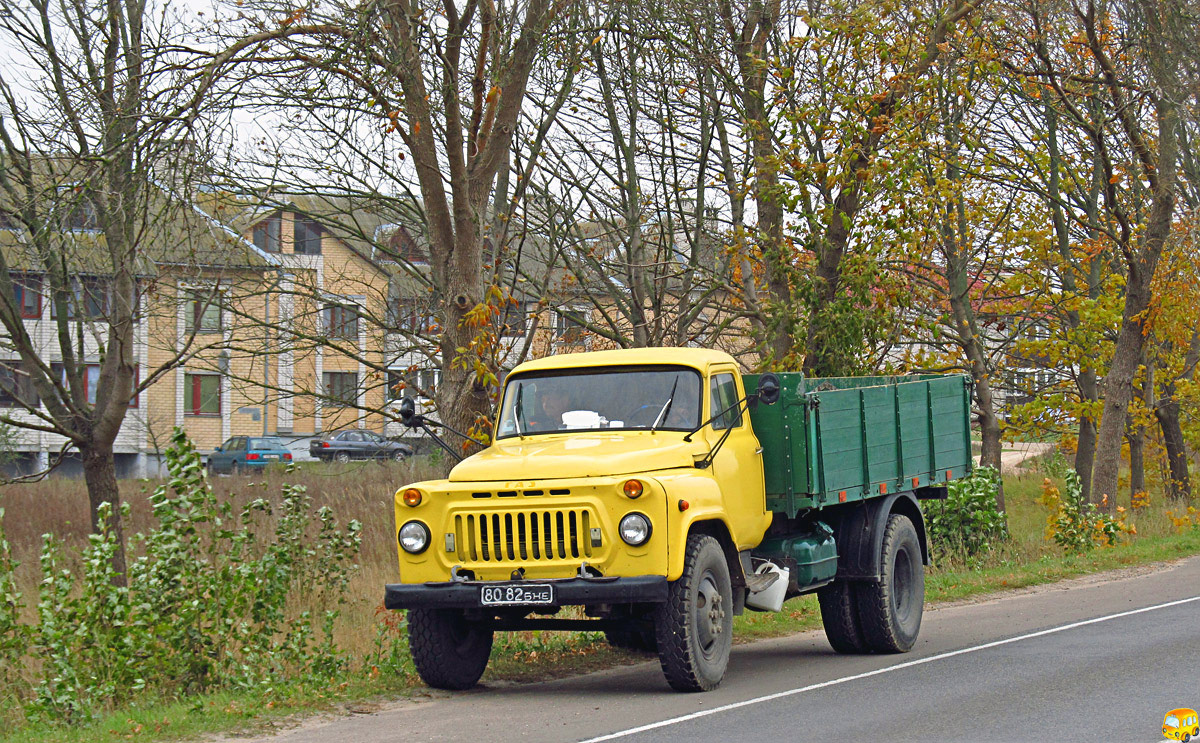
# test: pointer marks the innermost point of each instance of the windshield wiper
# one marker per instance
(519, 408)
(666, 408)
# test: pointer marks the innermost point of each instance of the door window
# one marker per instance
(722, 395)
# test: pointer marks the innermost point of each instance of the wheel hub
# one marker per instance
(710, 613)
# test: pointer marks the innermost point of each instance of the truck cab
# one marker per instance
(584, 441)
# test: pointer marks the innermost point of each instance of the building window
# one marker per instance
(568, 325)
(16, 387)
(28, 296)
(203, 313)
(82, 216)
(341, 321)
(202, 394)
(513, 321)
(341, 388)
(88, 299)
(416, 317)
(266, 234)
(422, 383)
(91, 380)
(308, 236)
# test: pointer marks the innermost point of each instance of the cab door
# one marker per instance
(738, 465)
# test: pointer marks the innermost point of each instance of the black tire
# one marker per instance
(839, 615)
(342, 457)
(694, 629)
(890, 611)
(448, 651)
(399, 455)
(632, 636)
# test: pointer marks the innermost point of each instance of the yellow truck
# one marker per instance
(665, 492)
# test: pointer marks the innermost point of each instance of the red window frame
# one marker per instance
(341, 321)
(195, 381)
(23, 286)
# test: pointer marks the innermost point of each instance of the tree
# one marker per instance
(95, 118)
(1087, 54)
(450, 81)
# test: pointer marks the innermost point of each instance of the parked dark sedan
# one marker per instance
(347, 445)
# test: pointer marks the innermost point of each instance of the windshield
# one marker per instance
(1171, 721)
(663, 398)
(266, 444)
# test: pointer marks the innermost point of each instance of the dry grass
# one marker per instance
(358, 490)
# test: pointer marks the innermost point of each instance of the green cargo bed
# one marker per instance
(838, 440)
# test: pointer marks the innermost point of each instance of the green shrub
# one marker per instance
(1075, 524)
(967, 521)
(208, 602)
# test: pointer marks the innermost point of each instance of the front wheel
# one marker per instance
(399, 455)
(890, 611)
(694, 629)
(448, 651)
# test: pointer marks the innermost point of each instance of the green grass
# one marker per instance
(1026, 559)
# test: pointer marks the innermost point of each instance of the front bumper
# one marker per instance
(637, 589)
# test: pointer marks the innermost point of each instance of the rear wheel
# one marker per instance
(694, 628)
(839, 615)
(448, 651)
(890, 610)
(342, 456)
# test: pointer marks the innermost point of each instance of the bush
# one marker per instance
(1075, 524)
(967, 521)
(206, 603)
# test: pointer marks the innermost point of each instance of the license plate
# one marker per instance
(510, 595)
(270, 456)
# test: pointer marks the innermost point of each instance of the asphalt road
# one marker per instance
(1091, 659)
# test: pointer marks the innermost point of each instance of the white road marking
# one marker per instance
(880, 671)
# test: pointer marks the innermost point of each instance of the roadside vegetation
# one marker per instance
(250, 599)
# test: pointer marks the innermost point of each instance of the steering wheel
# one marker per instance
(642, 416)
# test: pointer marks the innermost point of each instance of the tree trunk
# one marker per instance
(1085, 453)
(1137, 460)
(100, 474)
(1118, 391)
(1180, 485)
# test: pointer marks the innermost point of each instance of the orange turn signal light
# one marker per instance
(412, 497)
(633, 488)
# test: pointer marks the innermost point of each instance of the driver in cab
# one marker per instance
(551, 405)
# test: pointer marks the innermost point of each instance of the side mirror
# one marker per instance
(408, 409)
(217, 450)
(768, 388)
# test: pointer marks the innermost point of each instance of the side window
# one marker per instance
(723, 394)
(228, 445)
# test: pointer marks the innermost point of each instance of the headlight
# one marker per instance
(414, 537)
(634, 529)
